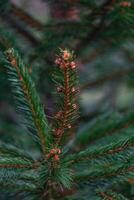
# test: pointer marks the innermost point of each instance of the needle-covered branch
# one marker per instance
(101, 152)
(16, 163)
(27, 98)
(111, 173)
(8, 150)
(66, 81)
(104, 125)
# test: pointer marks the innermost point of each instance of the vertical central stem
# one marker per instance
(66, 102)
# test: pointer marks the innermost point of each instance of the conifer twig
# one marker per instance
(32, 100)
(68, 89)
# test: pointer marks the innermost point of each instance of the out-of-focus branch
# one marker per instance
(28, 19)
(98, 29)
(110, 77)
(19, 28)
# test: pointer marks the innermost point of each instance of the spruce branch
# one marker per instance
(16, 163)
(20, 187)
(6, 149)
(65, 78)
(110, 149)
(106, 172)
(104, 125)
(29, 102)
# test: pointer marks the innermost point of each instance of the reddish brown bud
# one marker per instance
(21, 78)
(13, 61)
(59, 151)
(63, 65)
(30, 70)
(58, 61)
(56, 157)
(59, 89)
(74, 106)
(66, 55)
(58, 115)
(73, 89)
(73, 65)
(58, 132)
(69, 126)
(52, 151)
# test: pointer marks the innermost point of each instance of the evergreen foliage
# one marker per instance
(58, 172)
(47, 158)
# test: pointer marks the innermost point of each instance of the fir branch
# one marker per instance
(27, 96)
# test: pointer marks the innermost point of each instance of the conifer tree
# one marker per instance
(46, 154)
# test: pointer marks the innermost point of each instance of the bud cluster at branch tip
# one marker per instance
(65, 60)
(54, 153)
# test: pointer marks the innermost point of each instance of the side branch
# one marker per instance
(112, 149)
(20, 166)
(34, 108)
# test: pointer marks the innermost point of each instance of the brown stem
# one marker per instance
(66, 102)
(103, 194)
(19, 166)
(105, 153)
